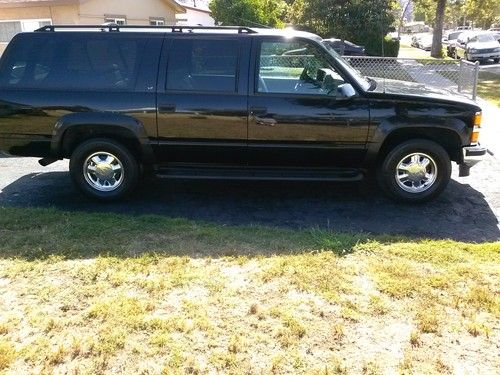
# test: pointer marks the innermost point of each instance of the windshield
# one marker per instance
(483, 38)
(363, 81)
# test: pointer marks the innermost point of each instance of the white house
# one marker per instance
(197, 13)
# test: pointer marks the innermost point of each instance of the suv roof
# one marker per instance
(288, 32)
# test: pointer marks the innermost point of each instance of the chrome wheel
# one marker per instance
(416, 173)
(103, 171)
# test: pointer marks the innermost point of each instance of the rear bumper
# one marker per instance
(472, 156)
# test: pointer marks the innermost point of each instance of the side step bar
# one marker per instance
(256, 173)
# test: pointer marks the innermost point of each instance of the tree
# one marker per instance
(483, 13)
(249, 12)
(402, 7)
(365, 22)
(437, 37)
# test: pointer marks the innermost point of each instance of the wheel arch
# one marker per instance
(74, 129)
(446, 138)
(451, 136)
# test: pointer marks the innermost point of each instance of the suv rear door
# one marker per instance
(202, 102)
(295, 117)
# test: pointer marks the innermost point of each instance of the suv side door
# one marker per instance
(202, 100)
(296, 118)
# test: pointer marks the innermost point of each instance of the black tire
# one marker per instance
(128, 176)
(496, 61)
(439, 162)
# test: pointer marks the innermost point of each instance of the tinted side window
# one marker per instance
(72, 62)
(295, 67)
(202, 65)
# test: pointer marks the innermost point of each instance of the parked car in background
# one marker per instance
(449, 40)
(344, 47)
(424, 41)
(415, 39)
(477, 46)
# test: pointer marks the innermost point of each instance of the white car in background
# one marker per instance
(477, 46)
(422, 41)
(425, 42)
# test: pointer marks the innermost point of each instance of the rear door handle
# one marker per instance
(258, 112)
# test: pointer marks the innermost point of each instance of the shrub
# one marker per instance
(373, 45)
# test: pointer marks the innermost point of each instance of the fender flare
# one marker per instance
(100, 119)
(388, 128)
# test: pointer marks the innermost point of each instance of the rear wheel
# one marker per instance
(496, 61)
(415, 171)
(104, 169)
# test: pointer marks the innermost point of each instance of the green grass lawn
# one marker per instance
(412, 52)
(488, 87)
(92, 293)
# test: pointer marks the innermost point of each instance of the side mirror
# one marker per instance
(345, 91)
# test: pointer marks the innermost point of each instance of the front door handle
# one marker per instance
(265, 121)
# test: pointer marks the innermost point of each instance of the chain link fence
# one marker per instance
(459, 76)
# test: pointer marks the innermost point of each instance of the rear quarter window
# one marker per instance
(77, 61)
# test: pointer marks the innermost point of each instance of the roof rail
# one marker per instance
(174, 29)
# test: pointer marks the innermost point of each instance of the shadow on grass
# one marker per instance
(45, 215)
(39, 233)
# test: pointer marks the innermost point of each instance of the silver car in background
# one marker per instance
(477, 46)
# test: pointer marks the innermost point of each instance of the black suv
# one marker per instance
(223, 102)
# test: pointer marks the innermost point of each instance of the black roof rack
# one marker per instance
(174, 29)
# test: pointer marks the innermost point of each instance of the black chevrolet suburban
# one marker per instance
(223, 103)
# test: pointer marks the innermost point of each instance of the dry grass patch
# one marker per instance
(157, 295)
(7, 354)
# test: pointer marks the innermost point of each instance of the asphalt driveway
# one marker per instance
(468, 210)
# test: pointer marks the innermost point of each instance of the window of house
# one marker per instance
(295, 67)
(203, 65)
(118, 20)
(10, 28)
(157, 21)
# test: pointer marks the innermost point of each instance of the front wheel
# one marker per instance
(415, 171)
(104, 169)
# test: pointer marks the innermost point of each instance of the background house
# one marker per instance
(28, 15)
(197, 13)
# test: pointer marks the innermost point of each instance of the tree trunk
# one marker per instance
(401, 19)
(437, 37)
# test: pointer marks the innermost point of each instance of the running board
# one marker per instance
(258, 173)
